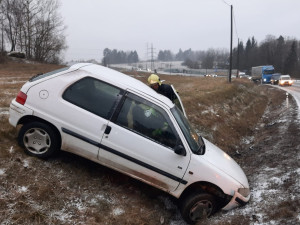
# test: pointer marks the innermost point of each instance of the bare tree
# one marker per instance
(49, 39)
(35, 27)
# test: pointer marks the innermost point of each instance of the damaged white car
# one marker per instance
(120, 122)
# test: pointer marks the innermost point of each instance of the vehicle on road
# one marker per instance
(285, 80)
(275, 78)
(211, 75)
(120, 122)
(262, 74)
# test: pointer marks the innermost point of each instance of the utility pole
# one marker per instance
(152, 58)
(147, 57)
(230, 61)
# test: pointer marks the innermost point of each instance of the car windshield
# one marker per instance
(285, 78)
(194, 140)
(268, 71)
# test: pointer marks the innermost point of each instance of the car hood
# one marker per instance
(224, 162)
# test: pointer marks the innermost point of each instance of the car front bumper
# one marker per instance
(237, 200)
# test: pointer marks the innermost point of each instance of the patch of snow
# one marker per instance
(22, 189)
(210, 110)
(13, 82)
(118, 211)
(6, 77)
(11, 150)
(62, 216)
(78, 204)
(2, 172)
(247, 140)
(107, 199)
(93, 201)
(214, 128)
(4, 111)
(26, 163)
(277, 180)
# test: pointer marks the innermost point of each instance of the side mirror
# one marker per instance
(179, 150)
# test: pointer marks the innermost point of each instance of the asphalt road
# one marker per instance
(294, 90)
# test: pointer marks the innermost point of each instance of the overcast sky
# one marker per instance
(128, 25)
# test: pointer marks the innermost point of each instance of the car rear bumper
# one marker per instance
(17, 111)
(237, 200)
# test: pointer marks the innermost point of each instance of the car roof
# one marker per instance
(121, 80)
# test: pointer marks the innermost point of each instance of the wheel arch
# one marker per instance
(30, 118)
(206, 187)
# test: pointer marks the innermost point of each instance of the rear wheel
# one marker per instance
(198, 206)
(38, 139)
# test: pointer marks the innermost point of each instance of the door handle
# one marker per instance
(107, 130)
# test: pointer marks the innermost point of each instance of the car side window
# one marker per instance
(147, 119)
(93, 95)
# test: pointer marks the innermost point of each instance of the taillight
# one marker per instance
(21, 98)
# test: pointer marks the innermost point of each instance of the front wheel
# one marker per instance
(198, 206)
(38, 139)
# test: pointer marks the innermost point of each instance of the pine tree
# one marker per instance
(291, 61)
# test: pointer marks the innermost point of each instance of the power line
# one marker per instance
(226, 3)
(235, 25)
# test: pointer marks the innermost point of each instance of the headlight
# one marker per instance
(265, 79)
(244, 191)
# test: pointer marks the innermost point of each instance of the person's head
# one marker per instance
(154, 81)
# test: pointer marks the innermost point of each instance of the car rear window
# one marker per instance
(94, 96)
(43, 75)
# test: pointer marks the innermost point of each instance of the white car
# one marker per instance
(120, 122)
(285, 80)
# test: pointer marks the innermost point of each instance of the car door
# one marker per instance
(140, 141)
(86, 107)
(178, 101)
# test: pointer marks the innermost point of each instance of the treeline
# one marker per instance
(116, 57)
(32, 27)
(212, 58)
(280, 52)
(199, 58)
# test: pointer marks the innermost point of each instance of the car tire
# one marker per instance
(39, 139)
(198, 206)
